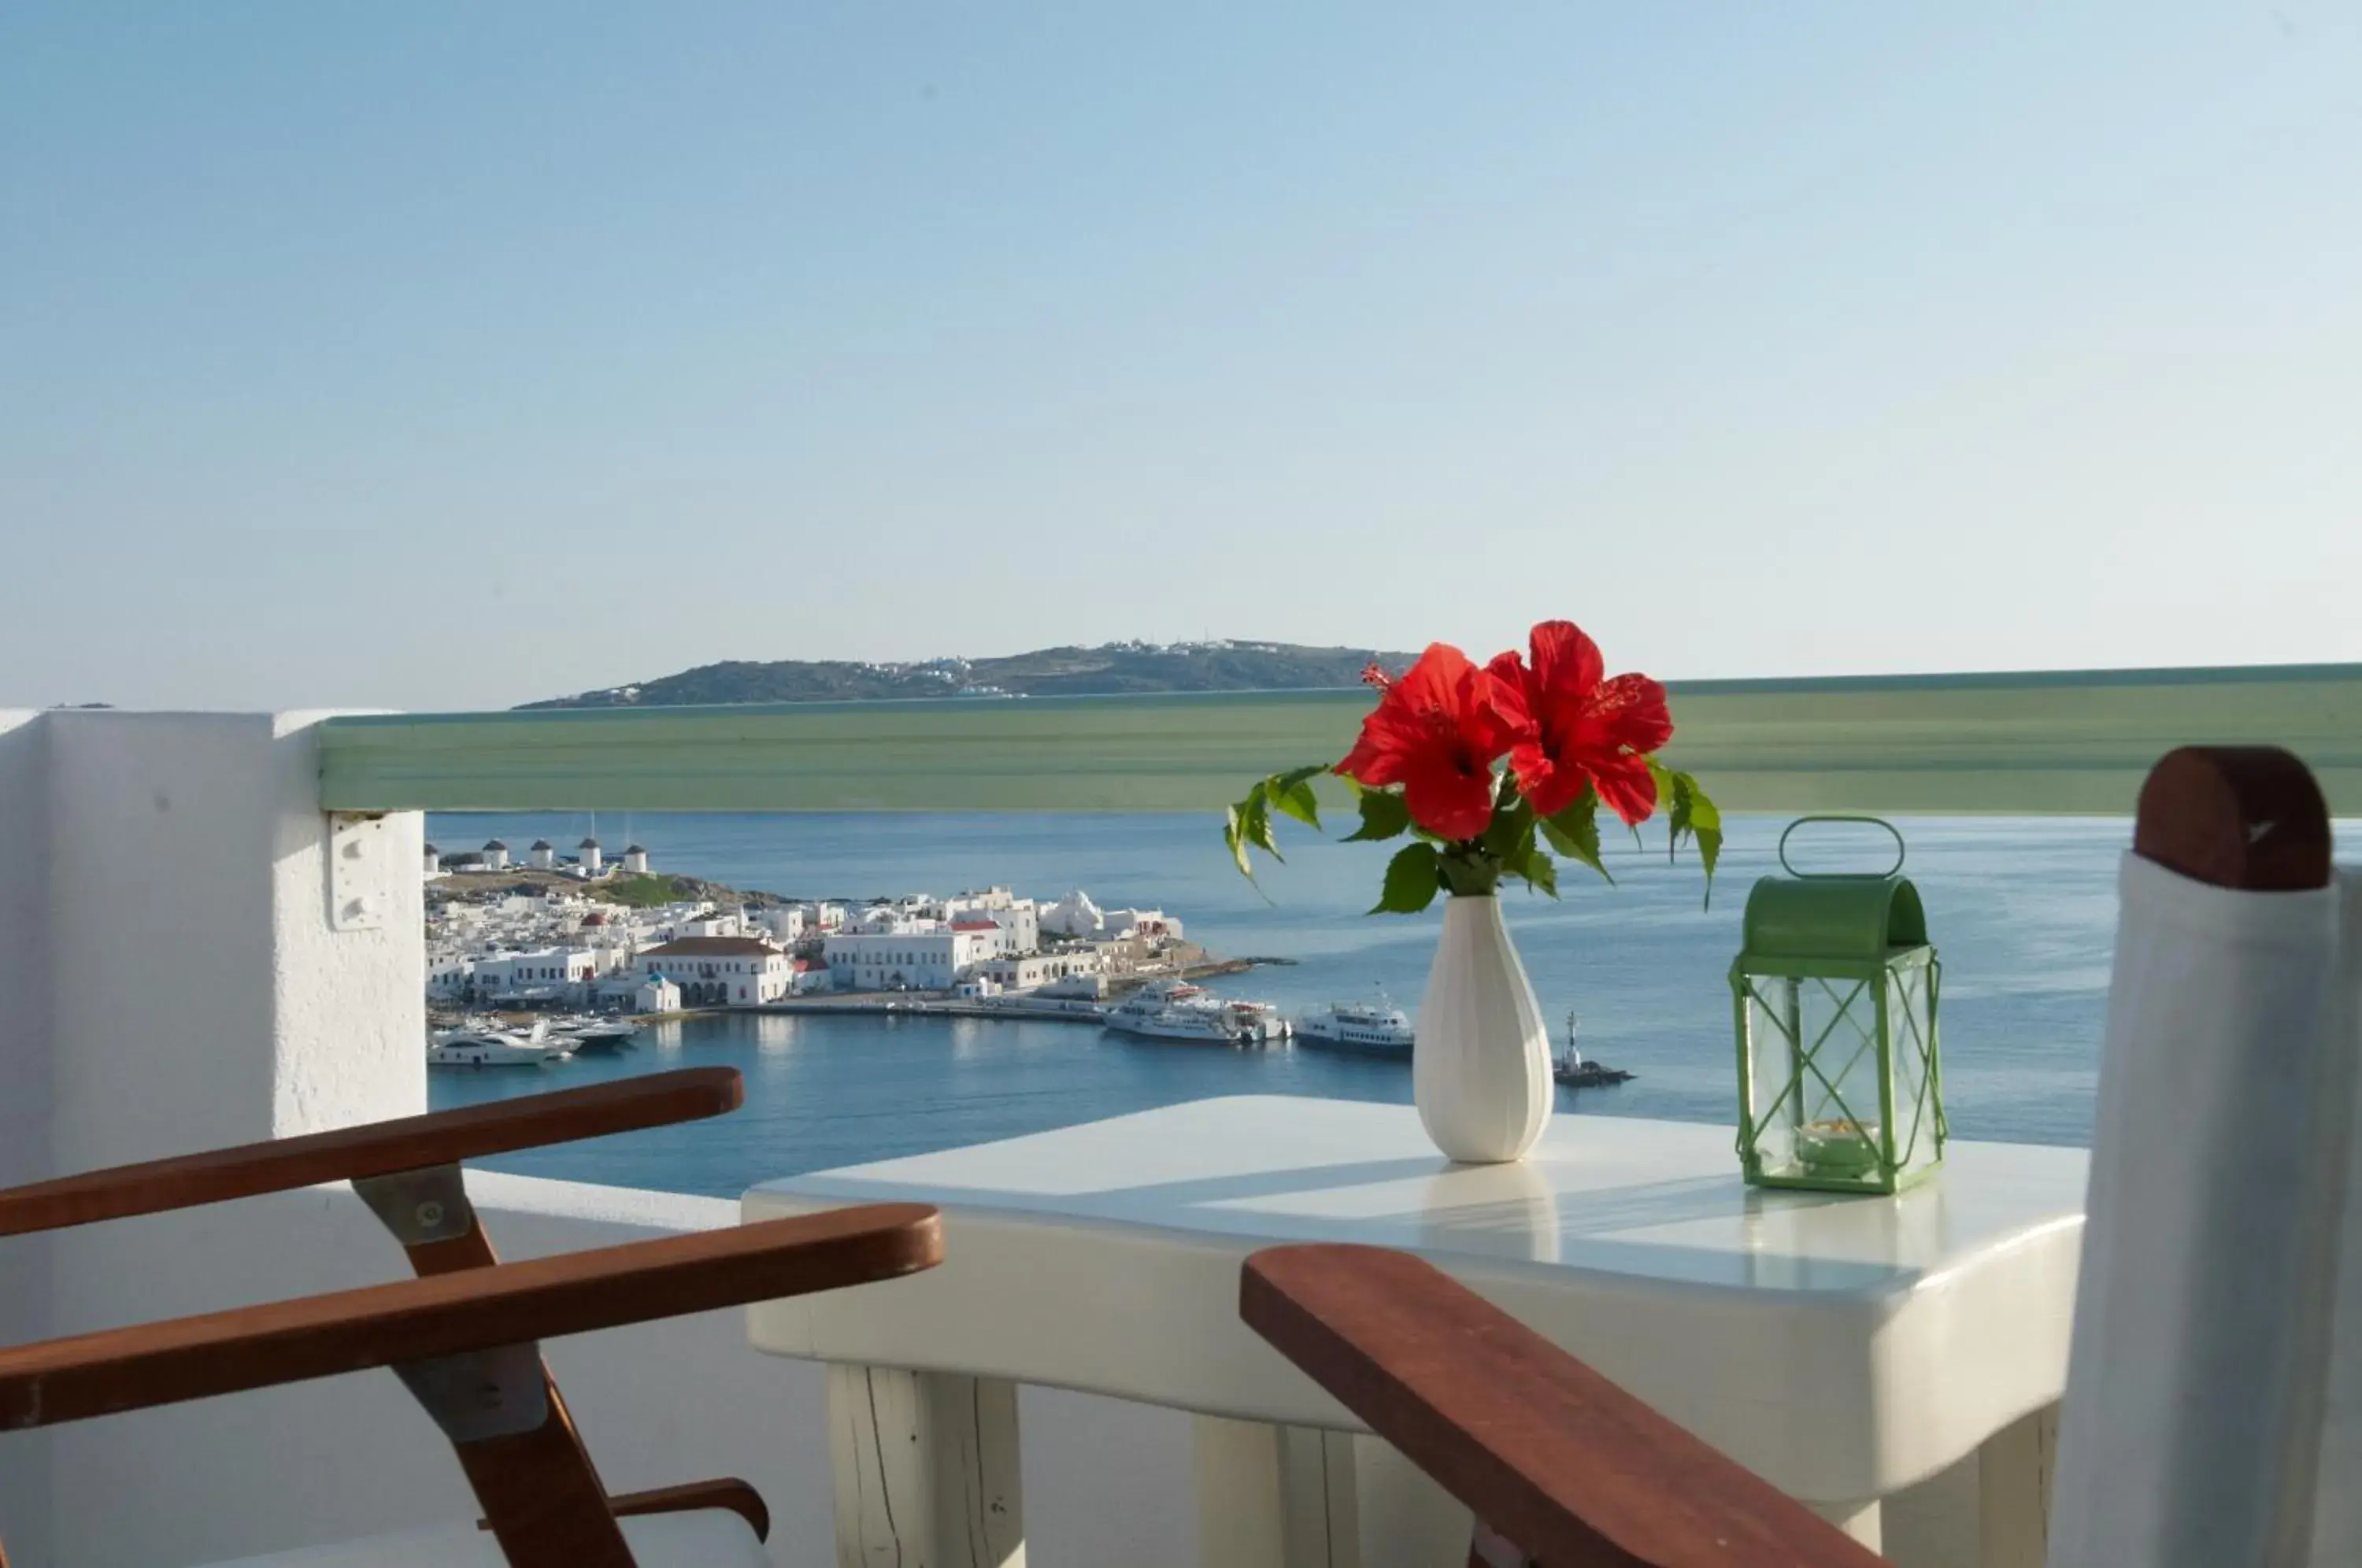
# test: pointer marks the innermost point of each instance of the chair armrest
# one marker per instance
(442, 1315)
(691, 1496)
(378, 1148)
(1558, 1459)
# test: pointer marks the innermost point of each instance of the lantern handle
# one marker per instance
(1839, 876)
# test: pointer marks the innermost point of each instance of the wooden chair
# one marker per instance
(463, 1336)
(1553, 1457)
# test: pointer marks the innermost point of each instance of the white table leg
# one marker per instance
(2014, 1492)
(1408, 1521)
(1859, 1520)
(925, 1468)
(1274, 1497)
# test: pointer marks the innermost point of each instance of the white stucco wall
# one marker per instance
(24, 1087)
(195, 840)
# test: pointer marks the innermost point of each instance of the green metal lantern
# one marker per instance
(1834, 994)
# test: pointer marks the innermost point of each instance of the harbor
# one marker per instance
(1647, 972)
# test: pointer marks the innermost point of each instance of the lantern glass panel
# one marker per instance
(1817, 1070)
(1918, 1120)
(1774, 1096)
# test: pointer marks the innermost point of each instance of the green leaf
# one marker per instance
(1533, 866)
(1413, 877)
(1470, 871)
(1574, 832)
(1254, 823)
(1509, 840)
(1384, 815)
(1689, 814)
(1512, 824)
(1705, 822)
(1231, 835)
(1295, 799)
(1675, 802)
(1292, 792)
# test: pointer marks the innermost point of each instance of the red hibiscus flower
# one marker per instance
(1584, 730)
(1437, 732)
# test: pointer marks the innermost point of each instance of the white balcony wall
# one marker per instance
(170, 981)
(25, 1093)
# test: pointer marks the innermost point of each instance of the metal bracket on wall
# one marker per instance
(361, 870)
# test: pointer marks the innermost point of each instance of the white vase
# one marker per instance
(1481, 1070)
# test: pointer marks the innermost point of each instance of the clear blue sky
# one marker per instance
(443, 356)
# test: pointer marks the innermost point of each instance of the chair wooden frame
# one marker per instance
(1554, 1457)
(1551, 1455)
(463, 1334)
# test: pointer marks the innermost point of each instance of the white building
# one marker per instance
(496, 856)
(991, 931)
(1033, 970)
(449, 976)
(542, 856)
(552, 971)
(1074, 915)
(657, 995)
(1151, 926)
(591, 859)
(635, 861)
(917, 955)
(1019, 919)
(721, 971)
(784, 922)
(434, 863)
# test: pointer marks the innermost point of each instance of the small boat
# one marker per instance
(1572, 1068)
(1365, 1028)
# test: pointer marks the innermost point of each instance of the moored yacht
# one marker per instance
(591, 1033)
(495, 1047)
(497, 1050)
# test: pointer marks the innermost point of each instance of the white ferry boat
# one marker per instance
(1367, 1029)
(1175, 1010)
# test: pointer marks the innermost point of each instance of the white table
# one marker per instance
(1843, 1347)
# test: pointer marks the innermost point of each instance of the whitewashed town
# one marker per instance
(539, 954)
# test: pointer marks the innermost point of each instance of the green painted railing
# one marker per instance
(2068, 743)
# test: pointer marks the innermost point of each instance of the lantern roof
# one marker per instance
(1850, 919)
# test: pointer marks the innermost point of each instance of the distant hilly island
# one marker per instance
(1108, 669)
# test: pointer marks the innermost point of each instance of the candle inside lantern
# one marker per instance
(1837, 1147)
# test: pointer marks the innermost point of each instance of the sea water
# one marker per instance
(2022, 911)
